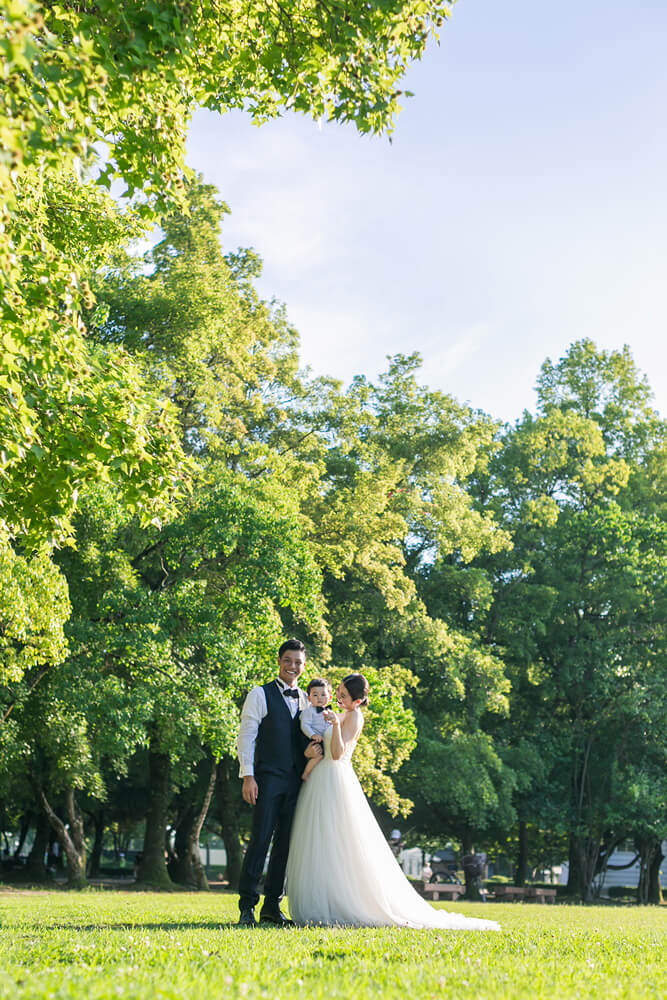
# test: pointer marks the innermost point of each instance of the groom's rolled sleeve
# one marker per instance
(253, 711)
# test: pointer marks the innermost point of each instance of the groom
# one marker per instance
(271, 757)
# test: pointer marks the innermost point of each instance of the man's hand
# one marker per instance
(316, 738)
(312, 750)
(250, 790)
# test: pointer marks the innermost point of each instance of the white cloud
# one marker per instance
(444, 357)
(518, 210)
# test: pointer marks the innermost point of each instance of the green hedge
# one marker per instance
(622, 891)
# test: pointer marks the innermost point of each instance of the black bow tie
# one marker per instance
(290, 693)
(319, 708)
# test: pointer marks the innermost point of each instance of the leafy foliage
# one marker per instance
(579, 605)
(80, 78)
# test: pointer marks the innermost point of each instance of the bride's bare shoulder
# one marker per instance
(353, 724)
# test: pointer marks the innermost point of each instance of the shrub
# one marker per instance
(622, 892)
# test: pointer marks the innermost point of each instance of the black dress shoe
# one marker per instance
(247, 919)
(270, 916)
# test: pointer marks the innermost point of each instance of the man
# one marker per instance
(271, 758)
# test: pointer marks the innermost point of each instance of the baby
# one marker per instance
(313, 723)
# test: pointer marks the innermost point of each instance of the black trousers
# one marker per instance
(273, 814)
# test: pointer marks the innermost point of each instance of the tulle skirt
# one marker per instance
(340, 868)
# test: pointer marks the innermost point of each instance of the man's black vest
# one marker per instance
(279, 744)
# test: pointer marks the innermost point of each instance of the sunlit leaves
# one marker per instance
(34, 603)
(78, 79)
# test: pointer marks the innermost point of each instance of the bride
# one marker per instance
(340, 868)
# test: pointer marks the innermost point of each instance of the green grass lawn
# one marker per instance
(182, 946)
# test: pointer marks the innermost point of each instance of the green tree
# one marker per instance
(166, 613)
(229, 363)
(182, 618)
(398, 471)
(579, 603)
(35, 607)
(77, 409)
(73, 411)
(81, 77)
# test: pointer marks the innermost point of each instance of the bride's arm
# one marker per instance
(344, 732)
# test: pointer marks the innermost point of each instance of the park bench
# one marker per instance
(537, 895)
(509, 893)
(443, 890)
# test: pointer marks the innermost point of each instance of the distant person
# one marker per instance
(54, 857)
(396, 842)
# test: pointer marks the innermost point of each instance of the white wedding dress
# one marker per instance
(341, 869)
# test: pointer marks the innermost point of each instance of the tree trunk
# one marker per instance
(650, 855)
(75, 825)
(35, 869)
(521, 873)
(153, 867)
(229, 801)
(587, 851)
(654, 890)
(180, 867)
(73, 845)
(474, 886)
(98, 843)
(6, 852)
(573, 873)
(193, 841)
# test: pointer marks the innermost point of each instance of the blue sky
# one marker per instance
(520, 206)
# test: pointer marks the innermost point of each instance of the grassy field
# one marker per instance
(101, 945)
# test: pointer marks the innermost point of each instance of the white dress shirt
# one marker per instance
(254, 710)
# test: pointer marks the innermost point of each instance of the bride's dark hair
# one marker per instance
(357, 687)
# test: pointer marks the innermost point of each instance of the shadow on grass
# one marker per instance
(176, 925)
